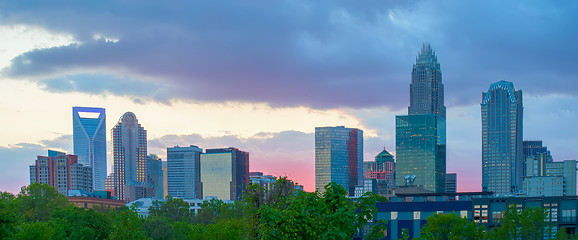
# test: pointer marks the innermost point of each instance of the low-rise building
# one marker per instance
(408, 213)
(545, 178)
(265, 181)
(96, 199)
(560, 211)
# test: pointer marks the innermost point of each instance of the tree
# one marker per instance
(175, 209)
(233, 228)
(328, 215)
(561, 234)
(182, 230)
(158, 228)
(78, 223)
(37, 201)
(126, 224)
(404, 234)
(450, 226)
(518, 224)
(214, 210)
(35, 230)
(8, 217)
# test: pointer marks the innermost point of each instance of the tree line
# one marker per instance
(40, 212)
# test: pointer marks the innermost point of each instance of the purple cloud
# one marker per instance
(322, 54)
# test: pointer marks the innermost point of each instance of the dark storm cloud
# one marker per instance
(108, 84)
(321, 54)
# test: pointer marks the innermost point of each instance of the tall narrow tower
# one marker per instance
(89, 140)
(129, 158)
(502, 140)
(421, 135)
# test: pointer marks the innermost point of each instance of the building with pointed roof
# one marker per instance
(420, 136)
(383, 168)
(426, 88)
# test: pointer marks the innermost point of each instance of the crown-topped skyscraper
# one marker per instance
(421, 135)
(426, 88)
(129, 159)
(502, 139)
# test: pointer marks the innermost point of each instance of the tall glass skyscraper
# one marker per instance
(224, 173)
(129, 159)
(502, 149)
(89, 141)
(426, 88)
(421, 135)
(184, 172)
(421, 150)
(338, 157)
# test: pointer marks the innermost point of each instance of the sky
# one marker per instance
(261, 75)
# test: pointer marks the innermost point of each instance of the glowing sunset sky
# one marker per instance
(261, 75)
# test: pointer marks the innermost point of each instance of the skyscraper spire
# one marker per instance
(426, 88)
(420, 136)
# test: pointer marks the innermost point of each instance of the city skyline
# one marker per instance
(281, 69)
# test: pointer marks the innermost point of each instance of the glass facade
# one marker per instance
(426, 88)
(89, 141)
(421, 135)
(502, 140)
(224, 173)
(184, 172)
(421, 150)
(155, 175)
(217, 177)
(129, 158)
(338, 157)
(534, 147)
(451, 182)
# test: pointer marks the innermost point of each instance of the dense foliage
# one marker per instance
(39, 212)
